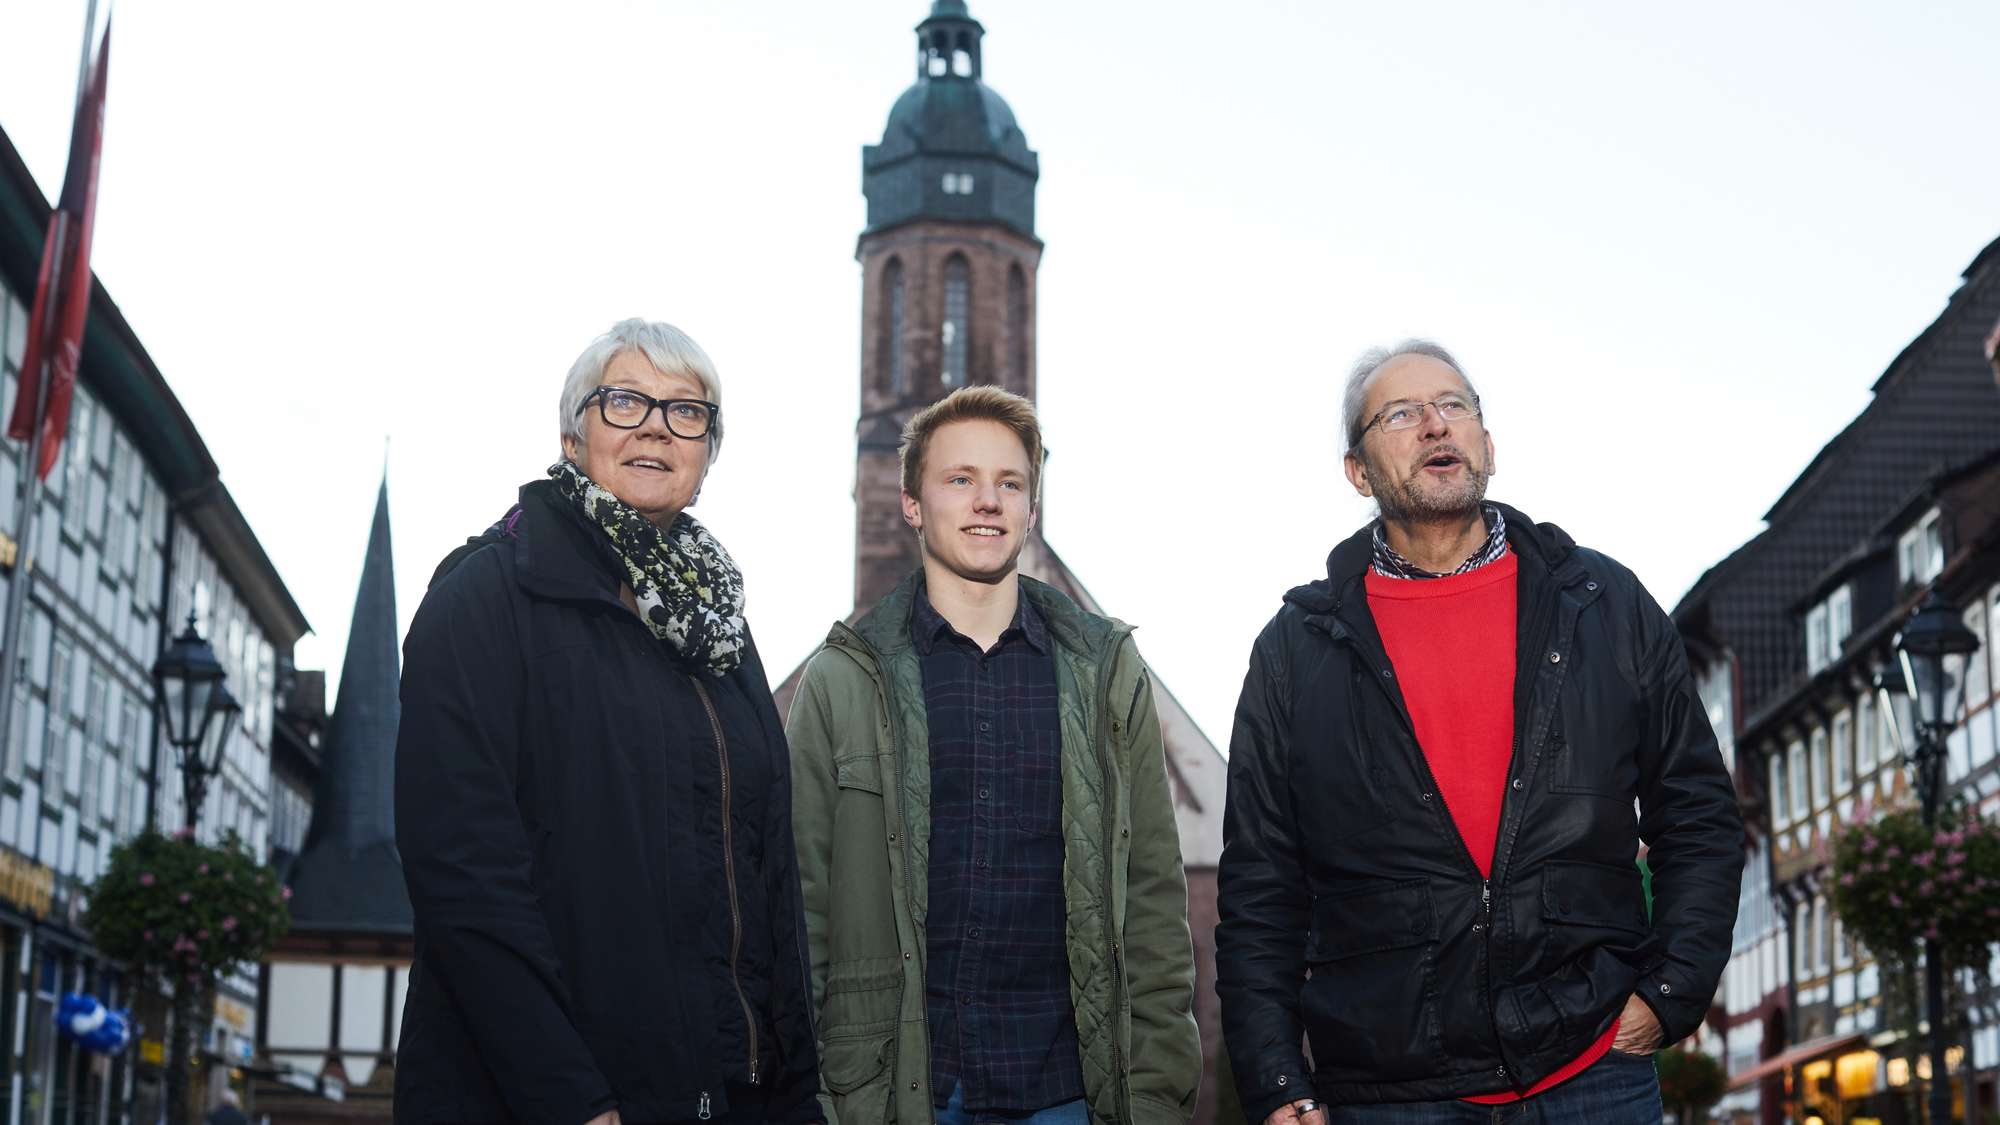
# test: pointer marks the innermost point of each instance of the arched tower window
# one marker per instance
(1017, 330)
(955, 334)
(889, 353)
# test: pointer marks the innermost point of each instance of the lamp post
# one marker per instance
(197, 710)
(1934, 634)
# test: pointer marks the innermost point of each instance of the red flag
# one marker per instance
(62, 289)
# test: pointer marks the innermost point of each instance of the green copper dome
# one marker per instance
(951, 149)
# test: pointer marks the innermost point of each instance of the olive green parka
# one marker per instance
(861, 781)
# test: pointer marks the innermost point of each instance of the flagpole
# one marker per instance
(11, 656)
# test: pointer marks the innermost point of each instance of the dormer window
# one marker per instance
(1828, 626)
(1920, 551)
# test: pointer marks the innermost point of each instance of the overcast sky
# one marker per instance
(1674, 247)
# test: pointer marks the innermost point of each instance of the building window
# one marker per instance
(1977, 685)
(1866, 732)
(1839, 620)
(1822, 955)
(1843, 752)
(1816, 649)
(1797, 754)
(1819, 763)
(1017, 329)
(889, 354)
(1781, 802)
(955, 331)
(1802, 960)
(958, 183)
(1920, 550)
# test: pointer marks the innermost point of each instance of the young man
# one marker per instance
(1432, 781)
(994, 899)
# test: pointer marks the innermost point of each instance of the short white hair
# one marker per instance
(670, 351)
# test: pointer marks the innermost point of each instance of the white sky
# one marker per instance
(1674, 247)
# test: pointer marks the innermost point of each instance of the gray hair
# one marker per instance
(671, 352)
(1355, 398)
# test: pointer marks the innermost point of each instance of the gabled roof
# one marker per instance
(117, 369)
(1934, 407)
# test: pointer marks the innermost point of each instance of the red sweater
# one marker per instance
(1451, 641)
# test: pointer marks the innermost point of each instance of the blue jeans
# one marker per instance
(1618, 1089)
(1067, 1113)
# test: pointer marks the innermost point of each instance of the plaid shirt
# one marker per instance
(1389, 563)
(997, 980)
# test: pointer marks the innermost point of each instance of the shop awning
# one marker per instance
(1804, 1052)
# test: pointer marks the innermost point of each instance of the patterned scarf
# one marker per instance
(1390, 564)
(689, 591)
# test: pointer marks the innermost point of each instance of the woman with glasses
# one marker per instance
(592, 793)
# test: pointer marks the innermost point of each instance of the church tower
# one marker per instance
(948, 263)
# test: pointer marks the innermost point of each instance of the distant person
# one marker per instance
(592, 796)
(991, 864)
(1428, 847)
(228, 1112)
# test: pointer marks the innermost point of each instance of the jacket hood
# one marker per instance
(1544, 544)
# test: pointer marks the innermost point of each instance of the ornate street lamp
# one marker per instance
(197, 710)
(1934, 634)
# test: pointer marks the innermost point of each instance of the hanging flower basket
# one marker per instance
(1898, 884)
(186, 910)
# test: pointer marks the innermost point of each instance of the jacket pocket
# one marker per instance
(1595, 928)
(1371, 1004)
(855, 1069)
(861, 996)
(1590, 771)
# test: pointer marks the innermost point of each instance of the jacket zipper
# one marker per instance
(729, 877)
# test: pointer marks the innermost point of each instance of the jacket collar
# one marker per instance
(556, 555)
(1545, 549)
(886, 628)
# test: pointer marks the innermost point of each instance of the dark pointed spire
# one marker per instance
(349, 877)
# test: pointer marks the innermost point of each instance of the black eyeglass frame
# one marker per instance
(1432, 403)
(661, 404)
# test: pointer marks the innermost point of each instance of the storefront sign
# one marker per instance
(26, 885)
(235, 1015)
(152, 1051)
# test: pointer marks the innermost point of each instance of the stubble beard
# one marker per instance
(1413, 500)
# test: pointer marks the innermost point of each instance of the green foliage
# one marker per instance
(1690, 1082)
(1897, 883)
(183, 909)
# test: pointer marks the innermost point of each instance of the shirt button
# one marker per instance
(982, 792)
(906, 956)
(1590, 585)
(985, 726)
(1517, 785)
(1282, 1080)
(965, 999)
(1388, 673)
(1426, 796)
(973, 933)
(1478, 927)
(1555, 658)
(1666, 990)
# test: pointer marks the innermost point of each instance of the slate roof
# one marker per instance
(348, 877)
(1935, 407)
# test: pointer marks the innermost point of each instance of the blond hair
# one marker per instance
(973, 404)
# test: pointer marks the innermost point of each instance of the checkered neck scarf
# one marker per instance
(1389, 564)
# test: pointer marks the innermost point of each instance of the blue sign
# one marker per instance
(98, 1028)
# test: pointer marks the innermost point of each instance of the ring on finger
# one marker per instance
(1305, 1106)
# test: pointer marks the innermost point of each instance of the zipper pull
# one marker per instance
(753, 1072)
(701, 1110)
(1486, 897)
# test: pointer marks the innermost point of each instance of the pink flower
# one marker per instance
(286, 893)
(1895, 900)
(1932, 932)
(1925, 889)
(146, 878)
(1953, 859)
(229, 923)
(1892, 852)
(184, 834)
(1847, 880)
(185, 898)
(1923, 859)
(201, 935)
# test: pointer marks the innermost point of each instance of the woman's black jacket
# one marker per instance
(598, 848)
(1340, 858)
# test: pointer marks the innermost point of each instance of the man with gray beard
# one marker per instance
(1428, 850)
